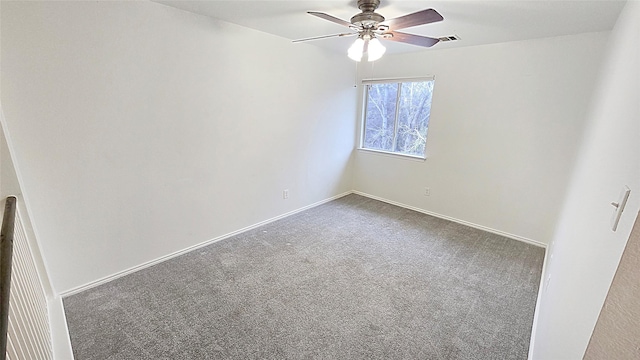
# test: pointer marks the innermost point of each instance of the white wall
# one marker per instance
(141, 130)
(10, 185)
(8, 179)
(506, 121)
(585, 252)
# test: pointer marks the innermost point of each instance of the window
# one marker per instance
(396, 116)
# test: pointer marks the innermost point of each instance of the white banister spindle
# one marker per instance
(29, 334)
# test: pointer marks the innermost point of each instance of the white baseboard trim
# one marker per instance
(480, 227)
(59, 331)
(147, 264)
(498, 232)
(536, 313)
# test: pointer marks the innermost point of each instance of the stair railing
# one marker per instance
(6, 255)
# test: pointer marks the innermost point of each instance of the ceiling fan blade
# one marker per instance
(330, 18)
(411, 39)
(325, 37)
(417, 18)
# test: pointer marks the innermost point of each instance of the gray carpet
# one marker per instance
(351, 279)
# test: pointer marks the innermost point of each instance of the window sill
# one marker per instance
(393, 155)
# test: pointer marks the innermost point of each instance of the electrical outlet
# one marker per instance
(427, 191)
(285, 193)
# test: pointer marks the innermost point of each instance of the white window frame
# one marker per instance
(363, 111)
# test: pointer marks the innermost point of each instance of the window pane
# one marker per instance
(381, 112)
(413, 117)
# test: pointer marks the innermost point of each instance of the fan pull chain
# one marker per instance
(372, 70)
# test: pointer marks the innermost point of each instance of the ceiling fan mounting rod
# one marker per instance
(368, 5)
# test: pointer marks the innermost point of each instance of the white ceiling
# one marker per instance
(475, 22)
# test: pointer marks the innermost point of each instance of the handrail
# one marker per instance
(6, 255)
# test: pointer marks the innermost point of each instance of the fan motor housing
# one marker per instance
(367, 20)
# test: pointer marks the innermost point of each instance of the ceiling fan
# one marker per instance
(370, 26)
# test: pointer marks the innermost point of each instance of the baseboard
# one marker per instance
(536, 313)
(494, 231)
(147, 264)
(59, 331)
(466, 223)
(108, 278)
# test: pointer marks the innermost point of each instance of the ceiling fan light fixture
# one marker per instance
(356, 50)
(376, 50)
(370, 27)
